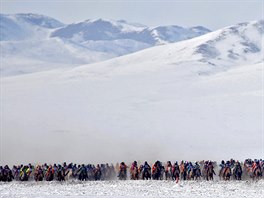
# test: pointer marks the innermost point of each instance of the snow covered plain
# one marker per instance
(136, 189)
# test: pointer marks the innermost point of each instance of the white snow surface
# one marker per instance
(179, 112)
(136, 189)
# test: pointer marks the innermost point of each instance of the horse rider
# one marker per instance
(123, 167)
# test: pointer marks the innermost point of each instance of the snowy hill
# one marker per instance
(195, 99)
(32, 42)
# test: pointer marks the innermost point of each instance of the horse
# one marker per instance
(61, 174)
(204, 172)
(209, 172)
(146, 174)
(162, 171)
(97, 174)
(15, 172)
(134, 173)
(168, 173)
(183, 172)
(122, 175)
(227, 173)
(38, 175)
(257, 174)
(157, 173)
(237, 172)
(197, 173)
(247, 169)
(23, 176)
(49, 176)
(69, 174)
(176, 173)
(6, 175)
(82, 174)
(190, 174)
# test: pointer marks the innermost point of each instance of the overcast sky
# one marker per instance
(210, 13)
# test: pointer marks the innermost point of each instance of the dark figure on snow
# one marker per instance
(82, 173)
(122, 171)
(146, 172)
(97, 173)
(237, 172)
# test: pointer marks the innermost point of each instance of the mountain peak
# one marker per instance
(24, 25)
(105, 29)
(36, 19)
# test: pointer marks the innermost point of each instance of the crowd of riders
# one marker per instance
(183, 170)
(59, 172)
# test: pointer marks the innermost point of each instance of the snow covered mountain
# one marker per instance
(26, 46)
(23, 26)
(195, 99)
(234, 45)
(32, 42)
(121, 30)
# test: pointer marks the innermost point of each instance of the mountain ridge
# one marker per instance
(38, 49)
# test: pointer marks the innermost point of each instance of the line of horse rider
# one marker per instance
(184, 170)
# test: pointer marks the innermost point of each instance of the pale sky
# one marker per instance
(213, 14)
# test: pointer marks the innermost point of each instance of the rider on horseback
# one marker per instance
(61, 173)
(146, 166)
(122, 171)
(134, 165)
(189, 167)
(168, 170)
(227, 168)
(256, 165)
(38, 175)
(24, 173)
(196, 166)
(168, 166)
(176, 167)
(123, 167)
(146, 170)
(237, 170)
(176, 172)
(157, 170)
(6, 174)
(97, 172)
(49, 173)
(197, 169)
(222, 165)
(238, 165)
(134, 170)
